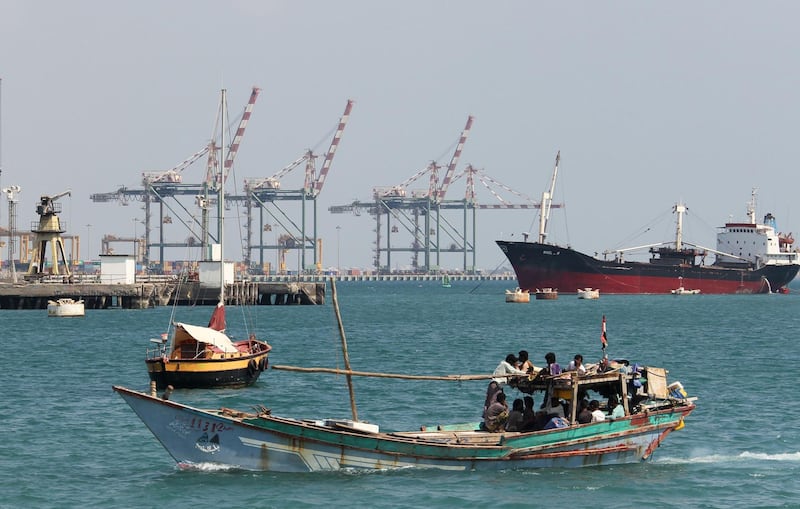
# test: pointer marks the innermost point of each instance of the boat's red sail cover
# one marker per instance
(217, 321)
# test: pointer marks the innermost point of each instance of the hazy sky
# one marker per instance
(648, 102)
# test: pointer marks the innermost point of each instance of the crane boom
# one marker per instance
(237, 138)
(326, 164)
(59, 195)
(451, 168)
(547, 200)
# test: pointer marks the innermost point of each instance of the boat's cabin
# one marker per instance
(636, 388)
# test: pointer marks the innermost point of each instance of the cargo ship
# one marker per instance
(750, 257)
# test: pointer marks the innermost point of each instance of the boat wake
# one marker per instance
(722, 458)
(206, 467)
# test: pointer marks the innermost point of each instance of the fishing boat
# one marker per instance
(588, 293)
(518, 295)
(750, 257)
(65, 307)
(261, 440)
(196, 356)
(546, 293)
(446, 281)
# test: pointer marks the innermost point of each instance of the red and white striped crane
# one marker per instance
(326, 164)
(435, 192)
(451, 168)
(237, 138)
(312, 185)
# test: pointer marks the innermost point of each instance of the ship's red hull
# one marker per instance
(542, 265)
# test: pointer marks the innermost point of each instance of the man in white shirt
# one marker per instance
(576, 364)
(597, 414)
(506, 367)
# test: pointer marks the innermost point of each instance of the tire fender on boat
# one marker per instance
(263, 364)
(252, 367)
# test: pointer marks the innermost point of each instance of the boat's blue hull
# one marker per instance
(196, 437)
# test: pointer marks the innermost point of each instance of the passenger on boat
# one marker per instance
(491, 396)
(576, 364)
(524, 363)
(554, 408)
(615, 408)
(496, 414)
(506, 367)
(597, 414)
(528, 414)
(584, 415)
(516, 416)
(551, 366)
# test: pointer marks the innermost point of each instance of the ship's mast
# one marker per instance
(680, 208)
(751, 207)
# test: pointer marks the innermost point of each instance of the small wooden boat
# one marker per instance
(204, 357)
(518, 295)
(546, 293)
(65, 307)
(588, 293)
(259, 440)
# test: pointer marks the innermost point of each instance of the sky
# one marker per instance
(649, 103)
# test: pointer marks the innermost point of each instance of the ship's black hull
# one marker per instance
(543, 265)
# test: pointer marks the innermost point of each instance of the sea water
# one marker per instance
(70, 441)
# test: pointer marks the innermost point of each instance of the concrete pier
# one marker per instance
(148, 295)
(154, 291)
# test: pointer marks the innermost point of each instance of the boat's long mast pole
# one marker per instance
(344, 350)
(221, 198)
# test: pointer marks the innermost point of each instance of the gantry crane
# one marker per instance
(265, 192)
(158, 186)
(392, 202)
(48, 229)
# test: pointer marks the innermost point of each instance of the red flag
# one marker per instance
(603, 337)
(217, 321)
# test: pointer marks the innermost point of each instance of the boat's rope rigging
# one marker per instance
(666, 223)
(503, 261)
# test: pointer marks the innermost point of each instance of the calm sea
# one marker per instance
(70, 441)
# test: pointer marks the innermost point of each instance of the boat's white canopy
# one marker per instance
(204, 335)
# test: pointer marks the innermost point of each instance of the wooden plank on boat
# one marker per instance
(337, 371)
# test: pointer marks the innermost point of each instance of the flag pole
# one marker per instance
(604, 341)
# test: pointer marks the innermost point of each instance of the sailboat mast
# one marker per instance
(221, 197)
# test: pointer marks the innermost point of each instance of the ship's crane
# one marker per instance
(49, 229)
(547, 201)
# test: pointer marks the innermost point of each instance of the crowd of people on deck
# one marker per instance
(553, 412)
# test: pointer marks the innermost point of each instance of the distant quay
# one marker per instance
(153, 291)
(506, 276)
